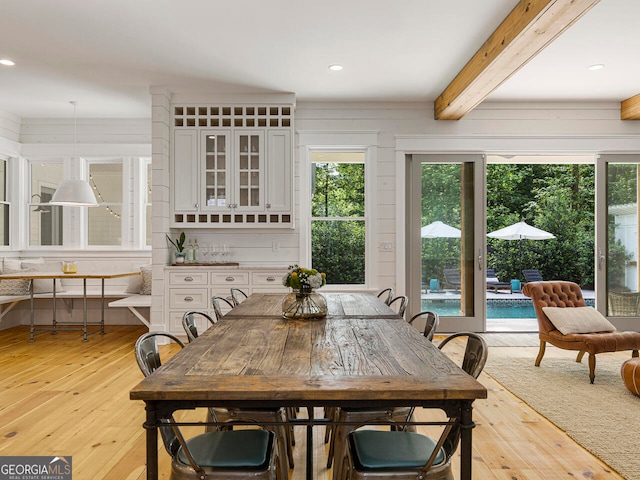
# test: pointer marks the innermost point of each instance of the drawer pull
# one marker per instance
(271, 279)
(188, 279)
(188, 299)
(230, 279)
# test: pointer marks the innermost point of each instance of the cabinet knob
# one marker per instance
(188, 299)
(230, 279)
(271, 279)
(188, 279)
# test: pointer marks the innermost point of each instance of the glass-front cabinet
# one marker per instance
(216, 174)
(235, 176)
(233, 182)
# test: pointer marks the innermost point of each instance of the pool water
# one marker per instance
(495, 308)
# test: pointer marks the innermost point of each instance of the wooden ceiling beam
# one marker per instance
(527, 30)
(630, 108)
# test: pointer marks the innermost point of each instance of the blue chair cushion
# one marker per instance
(377, 449)
(232, 449)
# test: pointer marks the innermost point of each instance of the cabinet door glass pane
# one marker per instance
(215, 170)
(249, 171)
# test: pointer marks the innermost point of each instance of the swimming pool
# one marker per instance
(517, 308)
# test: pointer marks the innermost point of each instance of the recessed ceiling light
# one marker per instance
(597, 66)
(7, 62)
(335, 67)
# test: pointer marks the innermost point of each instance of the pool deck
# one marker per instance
(491, 295)
(509, 325)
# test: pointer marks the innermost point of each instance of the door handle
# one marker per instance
(480, 260)
(601, 259)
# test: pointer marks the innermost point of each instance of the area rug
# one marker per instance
(604, 417)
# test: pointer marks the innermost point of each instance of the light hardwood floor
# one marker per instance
(60, 396)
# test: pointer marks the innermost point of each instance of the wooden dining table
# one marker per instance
(361, 354)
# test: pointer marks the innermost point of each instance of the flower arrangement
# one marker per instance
(300, 278)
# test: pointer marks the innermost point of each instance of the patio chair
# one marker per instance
(532, 275)
(570, 329)
(493, 283)
(623, 304)
(452, 278)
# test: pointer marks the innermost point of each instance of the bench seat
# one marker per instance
(133, 302)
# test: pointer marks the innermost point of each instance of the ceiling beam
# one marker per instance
(630, 108)
(527, 30)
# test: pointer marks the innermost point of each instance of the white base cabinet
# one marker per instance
(191, 288)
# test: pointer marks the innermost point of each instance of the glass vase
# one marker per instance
(304, 303)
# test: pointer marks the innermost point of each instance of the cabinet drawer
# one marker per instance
(263, 279)
(188, 278)
(189, 298)
(229, 278)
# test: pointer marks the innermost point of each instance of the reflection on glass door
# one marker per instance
(450, 187)
(623, 299)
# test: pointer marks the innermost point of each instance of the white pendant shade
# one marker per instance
(74, 193)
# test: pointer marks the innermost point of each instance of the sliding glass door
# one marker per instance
(445, 202)
(618, 276)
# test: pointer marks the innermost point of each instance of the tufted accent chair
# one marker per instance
(569, 294)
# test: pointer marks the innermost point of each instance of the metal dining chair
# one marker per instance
(263, 416)
(217, 303)
(386, 295)
(399, 304)
(405, 455)
(238, 296)
(432, 320)
(189, 323)
(248, 453)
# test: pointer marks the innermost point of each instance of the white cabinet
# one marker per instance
(191, 288)
(232, 166)
(185, 170)
(233, 173)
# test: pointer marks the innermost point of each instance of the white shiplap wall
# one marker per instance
(510, 128)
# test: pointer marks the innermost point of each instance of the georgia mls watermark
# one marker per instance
(35, 468)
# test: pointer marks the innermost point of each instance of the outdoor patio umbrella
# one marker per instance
(438, 229)
(521, 231)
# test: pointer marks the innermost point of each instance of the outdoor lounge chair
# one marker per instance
(493, 283)
(532, 276)
(452, 278)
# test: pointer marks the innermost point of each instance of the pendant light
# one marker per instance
(74, 192)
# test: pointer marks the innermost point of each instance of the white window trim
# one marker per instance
(311, 142)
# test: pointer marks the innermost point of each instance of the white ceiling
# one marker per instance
(106, 54)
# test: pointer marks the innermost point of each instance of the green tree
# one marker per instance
(337, 239)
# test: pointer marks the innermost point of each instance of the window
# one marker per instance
(104, 221)
(45, 221)
(4, 205)
(338, 226)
